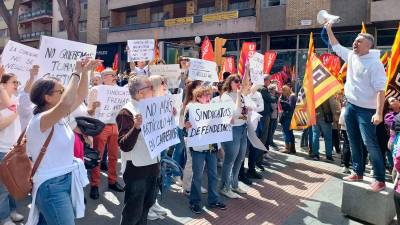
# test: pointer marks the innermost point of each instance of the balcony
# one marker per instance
(118, 4)
(387, 10)
(34, 36)
(44, 15)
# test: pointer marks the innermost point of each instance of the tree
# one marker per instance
(71, 12)
(11, 18)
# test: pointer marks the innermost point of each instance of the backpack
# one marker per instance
(16, 170)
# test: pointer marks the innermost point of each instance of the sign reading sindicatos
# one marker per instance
(112, 99)
(158, 126)
(211, 123)
(19, 59)
(171, 72)
(140, 50)
(57, 57)
(256, 69)
(203, 70)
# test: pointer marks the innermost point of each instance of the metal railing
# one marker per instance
(34, 14)
(34, 35)
(196, 19)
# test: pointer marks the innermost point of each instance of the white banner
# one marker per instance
(141, 50)
(57, 57)
(211, 123)
(171, 72)
(203, 70)
(112, 99)
(158, 127)
(178, 104)
(19, 59)
(256, 69)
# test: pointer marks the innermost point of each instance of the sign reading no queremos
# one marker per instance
(203, 70)
(158, 126)
(57, 57)
(210, 123)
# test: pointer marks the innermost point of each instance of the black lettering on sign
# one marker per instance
(50, 52)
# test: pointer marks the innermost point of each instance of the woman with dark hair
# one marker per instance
(288, 103)
(57, 195)
(10, 129)
(235, 150)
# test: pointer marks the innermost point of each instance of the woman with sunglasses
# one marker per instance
(11, 125)
(60, 178)
(235, 150)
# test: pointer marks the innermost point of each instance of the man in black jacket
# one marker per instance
(266, 114)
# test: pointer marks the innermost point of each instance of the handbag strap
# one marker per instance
(21, 137)
(42, 152)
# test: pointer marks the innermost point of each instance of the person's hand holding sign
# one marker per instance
(137, 121)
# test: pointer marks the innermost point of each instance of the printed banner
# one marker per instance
(171, 72)
(248, 50)
(256, 69)
(140, 50)
(57, 57)
(269, 60)
(178, 104)
(178, 21)
(207, 52)
(211, 123)
(158, 126)
(112, 99)
(203, 70)
(19, 59)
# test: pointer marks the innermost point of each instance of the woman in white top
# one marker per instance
(57, 196)
(235, 150)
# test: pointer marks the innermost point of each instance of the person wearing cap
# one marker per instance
(365, 92)
(109, 137)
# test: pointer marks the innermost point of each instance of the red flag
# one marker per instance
(156, 50)
(207, 52)
(228, 66)
(100, 68)
(331, 62)
(279, 80)
(248, 50)
(269, 60)
(115, 63)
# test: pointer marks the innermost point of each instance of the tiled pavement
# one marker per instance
(295, 190)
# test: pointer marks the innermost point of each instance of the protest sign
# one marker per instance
(140, 50)
(178, 104)
(19, 59)
(211, 123)
(203, 70)
(112, 99)
(256, 69)
(57, 57)
(158, 126)
(171, 72)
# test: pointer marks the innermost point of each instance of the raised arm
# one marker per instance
(341, 51)
(33, 73)
(332, 38)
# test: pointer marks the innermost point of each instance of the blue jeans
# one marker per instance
(360, 130)
(53, 200)
(287, 133)
(199, 159)
(235, 151)
(273, 123)
(179, 154)
(326, 129)
(7, 203)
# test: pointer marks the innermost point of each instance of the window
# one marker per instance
(131, 17)
(82, 26)
(3, 33)
(205, 7)
(61, 26)
(179, 10)
(157, 14)
(386, 37)
(269, 3)
(283, 42)
(238, 4)
(104, 23)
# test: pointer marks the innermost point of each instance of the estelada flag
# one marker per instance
(269, 60)
(207, 52)
(248, 50)
(304, 112)
(393, 71)
(115, 63)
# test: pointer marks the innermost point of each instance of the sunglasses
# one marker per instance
(237, 81)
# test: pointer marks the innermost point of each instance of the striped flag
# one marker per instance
(248, 49)
(156, 49)
(393, 71)
(363, 28)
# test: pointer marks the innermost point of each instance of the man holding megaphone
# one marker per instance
(365, 92)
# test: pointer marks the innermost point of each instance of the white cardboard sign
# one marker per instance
(158, 126)
(171, 72)
(112, 99)
(57, 57)
(203, 70)
(211, 123)
(140, 50)
(19, 59)
(256, 69)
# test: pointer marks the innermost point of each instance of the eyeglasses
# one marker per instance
(237, 81)
(60, 91)
(149, 86)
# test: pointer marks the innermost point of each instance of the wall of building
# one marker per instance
(272, 18)
(385, 10)
(298, 10)
(93, 22)
(352, 12)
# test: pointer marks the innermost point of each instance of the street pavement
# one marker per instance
(294, 190)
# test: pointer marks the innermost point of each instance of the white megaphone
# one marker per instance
(324, 17)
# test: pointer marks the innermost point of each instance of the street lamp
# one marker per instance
(197, 40)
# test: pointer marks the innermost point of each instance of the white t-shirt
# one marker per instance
(60, 152)
(10, 134)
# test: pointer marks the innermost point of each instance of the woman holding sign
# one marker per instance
(235, 150)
